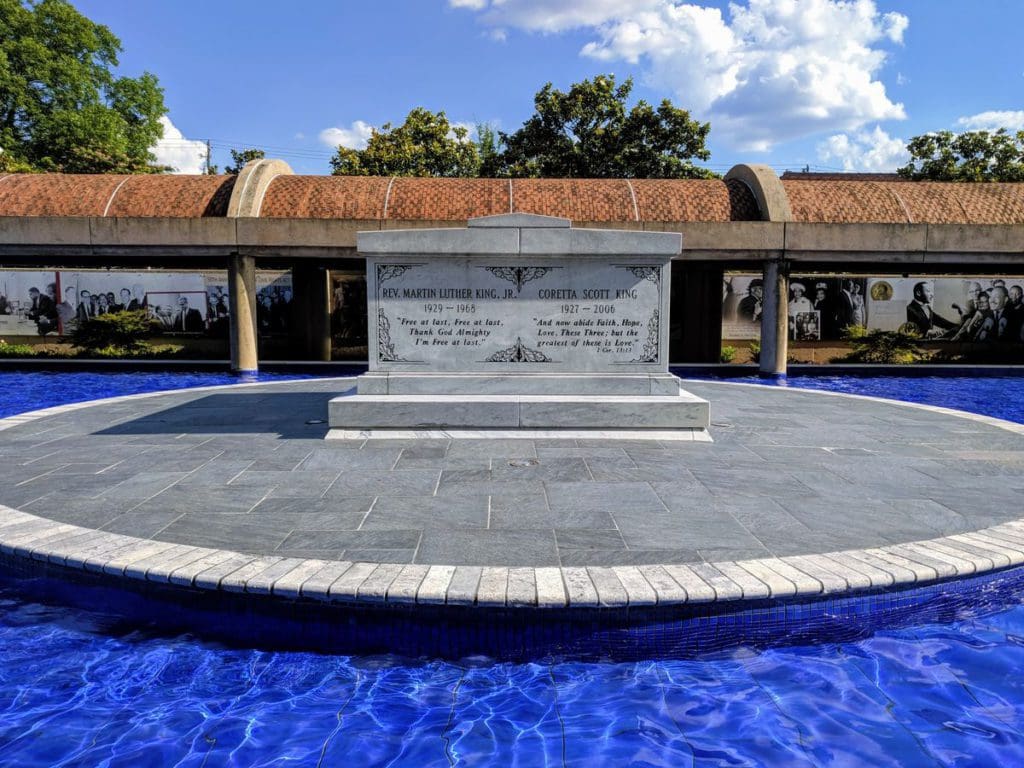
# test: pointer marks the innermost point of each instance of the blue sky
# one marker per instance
(832, 84)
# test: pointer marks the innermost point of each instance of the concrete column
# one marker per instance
(242, 290)
(774, 321)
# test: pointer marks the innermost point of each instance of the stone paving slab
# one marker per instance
(234, 488)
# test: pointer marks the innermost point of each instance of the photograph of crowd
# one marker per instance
(971, 309)
(194, 303)
(819, 307)
(956, 309)
(28, 303)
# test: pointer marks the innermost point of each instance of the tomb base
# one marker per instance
(576, 406)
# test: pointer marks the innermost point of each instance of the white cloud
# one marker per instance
(872, 151)
(181, 154)
(993, 120)
(772, 70)
(353, 137)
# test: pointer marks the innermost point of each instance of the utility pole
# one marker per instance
(207, 157)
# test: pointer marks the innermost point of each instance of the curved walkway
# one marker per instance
(233, 488)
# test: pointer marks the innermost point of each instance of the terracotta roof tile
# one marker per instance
(581, 200)
(54, 194)
(844, 202)
(607, 200)
(173, 196)
(325, 197)
(992, 203)
(905, 202)
(447, 199)
(694, 200)
(928, 202)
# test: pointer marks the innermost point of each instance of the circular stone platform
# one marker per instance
(234, 488)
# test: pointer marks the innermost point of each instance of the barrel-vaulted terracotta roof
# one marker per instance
(593, 200)
(902, 202)
(55, 194)
(582, 200)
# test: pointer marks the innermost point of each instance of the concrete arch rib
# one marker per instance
(767, 189)
(251, 186)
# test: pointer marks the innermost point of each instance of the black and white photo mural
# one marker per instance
(956, 309)
(968, 309)
(187, 303)
(819, 307)
(29, 303)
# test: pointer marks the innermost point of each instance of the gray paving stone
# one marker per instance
(436, 512)
(400, 482)
(311, 514)
(589, 539)
(558, 470)
(488, 547)
(197, 470)
(603, 497)
(378, 555)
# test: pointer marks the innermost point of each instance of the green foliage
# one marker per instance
(145, 351)
(17, 350)
(587, 132)
(61, 106)
(755, 351)
(887, 347)
(126, 331)
(489, 146)
(968, 156)
(728, 354)
(426, 144)
(242, 157)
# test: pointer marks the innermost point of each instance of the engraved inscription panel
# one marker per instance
(520, 315)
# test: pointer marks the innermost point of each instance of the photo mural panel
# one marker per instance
(960, 309)
(36, 302)
(29, 303)
(963, 309)
(349, 340)
(174, 299)
(819, 307)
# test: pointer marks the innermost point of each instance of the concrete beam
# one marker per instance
(856, 238)
(974, 238)
(320, 235)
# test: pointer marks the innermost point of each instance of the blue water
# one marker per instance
(81, 688)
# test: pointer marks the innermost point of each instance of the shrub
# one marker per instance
(17, 350)
(887, 347)
(127, 331)
(144, 351)
(755, 351)
(728, 354)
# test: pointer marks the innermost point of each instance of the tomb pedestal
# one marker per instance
(518, 325)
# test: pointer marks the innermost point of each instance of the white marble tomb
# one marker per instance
(518, 325)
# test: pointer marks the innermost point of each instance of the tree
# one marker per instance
(587, 132)
(968, 156)
(426, 144)
(241, 157)
(489, 146)
(61, 106)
